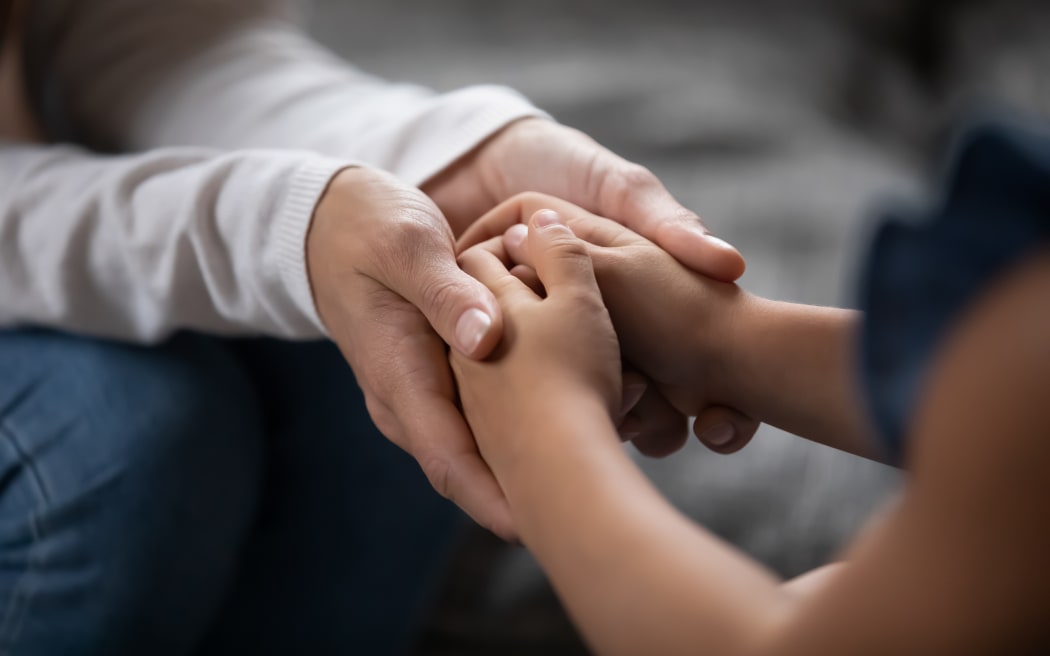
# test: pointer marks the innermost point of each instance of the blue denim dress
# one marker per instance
(920, 275)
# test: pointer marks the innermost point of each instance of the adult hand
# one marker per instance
(543, 156)
(539, 155)
(382, 265)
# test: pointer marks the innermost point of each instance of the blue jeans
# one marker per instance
(204, 496)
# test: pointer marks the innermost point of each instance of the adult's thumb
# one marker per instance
(421, 267)
(461, 310)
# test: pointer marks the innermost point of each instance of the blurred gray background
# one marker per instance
(786, 125)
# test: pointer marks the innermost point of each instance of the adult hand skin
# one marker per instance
(382, 265)
(539, 155)
(381, 260)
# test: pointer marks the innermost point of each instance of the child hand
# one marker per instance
(673, 323)
(558, 351)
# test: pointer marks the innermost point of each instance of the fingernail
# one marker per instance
(694, 228)
(718, 435)
(545, 218)
(516, 234)
(631, 395)
(472, 327)
(721, 243)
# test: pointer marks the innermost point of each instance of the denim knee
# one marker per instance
(353, 538)
(129, 479)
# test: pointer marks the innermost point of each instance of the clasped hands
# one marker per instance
(581, 293)
(382, 260)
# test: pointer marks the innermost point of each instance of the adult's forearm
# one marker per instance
(244, 75)
(136, 247)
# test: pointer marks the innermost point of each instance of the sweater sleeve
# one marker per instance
(241, 74)
(136, 247)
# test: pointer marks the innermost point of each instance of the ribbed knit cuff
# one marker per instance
(455, 124)
(292, 227)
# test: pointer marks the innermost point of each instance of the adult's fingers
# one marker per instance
(402, 366)
(543, 156)
(445, 449)
(659, 430)
(383, 269)
(724, 430)
(633, 196)
(634, 386)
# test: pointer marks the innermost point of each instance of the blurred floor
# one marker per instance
(786, 128)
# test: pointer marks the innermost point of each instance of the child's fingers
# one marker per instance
(516, 245)
(591, 228)
(484, 263)
(560, 258)
(527, 275)
(493, 224)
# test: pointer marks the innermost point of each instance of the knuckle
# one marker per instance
(635, 175)
(528, 198)
(585, 298)
(383, 418)
(407, 231)
(441, 295)
(438, 470)
(620, 184)
(569, 251)
(409, 236)
(531, 202)
(683, 215)
(567, 245)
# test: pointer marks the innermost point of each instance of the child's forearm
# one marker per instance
(636, 576)
(793, 366)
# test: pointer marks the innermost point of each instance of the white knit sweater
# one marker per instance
(224, 124)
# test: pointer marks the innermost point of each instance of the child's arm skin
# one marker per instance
(957, 567)
(710, 343)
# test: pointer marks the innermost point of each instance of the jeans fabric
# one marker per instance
(204, 496)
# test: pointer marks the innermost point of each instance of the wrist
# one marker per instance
(746, 355)
(732, 348)
(565, 419)
(719, 349)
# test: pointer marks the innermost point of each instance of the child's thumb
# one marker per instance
(560, 257)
